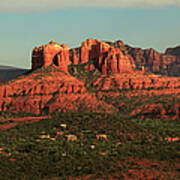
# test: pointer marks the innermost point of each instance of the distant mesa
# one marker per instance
(3, 67)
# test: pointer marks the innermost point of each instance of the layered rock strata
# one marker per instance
(47, 92)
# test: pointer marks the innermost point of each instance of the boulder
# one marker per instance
(71, 137)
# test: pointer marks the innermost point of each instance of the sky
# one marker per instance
(140, 23)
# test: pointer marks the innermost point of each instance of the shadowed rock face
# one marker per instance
(48, 90)
(151, 60)
(106, 58)
(145, 83)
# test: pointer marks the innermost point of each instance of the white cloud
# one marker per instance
(15, 6)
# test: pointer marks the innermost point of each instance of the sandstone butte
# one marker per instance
(50, 87)
(108, 57)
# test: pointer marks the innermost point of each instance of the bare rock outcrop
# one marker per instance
(139, 82)
(108, 57)
(52, 53)
(151, 60)
(105, 57)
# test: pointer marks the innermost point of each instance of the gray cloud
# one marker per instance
(23, 6)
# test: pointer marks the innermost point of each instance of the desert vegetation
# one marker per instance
(105, 145)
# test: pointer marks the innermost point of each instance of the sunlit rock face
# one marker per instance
(49, 91)
(108, 57)
(105, 57)
(52, 53)
(151, 60)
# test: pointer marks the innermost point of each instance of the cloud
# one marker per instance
(23, 6)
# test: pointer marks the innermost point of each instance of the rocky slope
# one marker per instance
(48, 90)
(105, 57)
(138, 82)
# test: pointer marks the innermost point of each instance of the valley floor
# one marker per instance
(89, 146)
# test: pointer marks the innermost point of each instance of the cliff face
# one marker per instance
(105, 57)
(90, 49)
(52, 53)
(151, 60)
(108, 57)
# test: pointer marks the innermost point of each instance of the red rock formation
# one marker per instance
(92, 49)
(52, 53)
(106, 58)
(89, 50)
(74, 57)
(113, 61)
(63, 59)
(84, 54)
(139, 82)
(151, 59)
